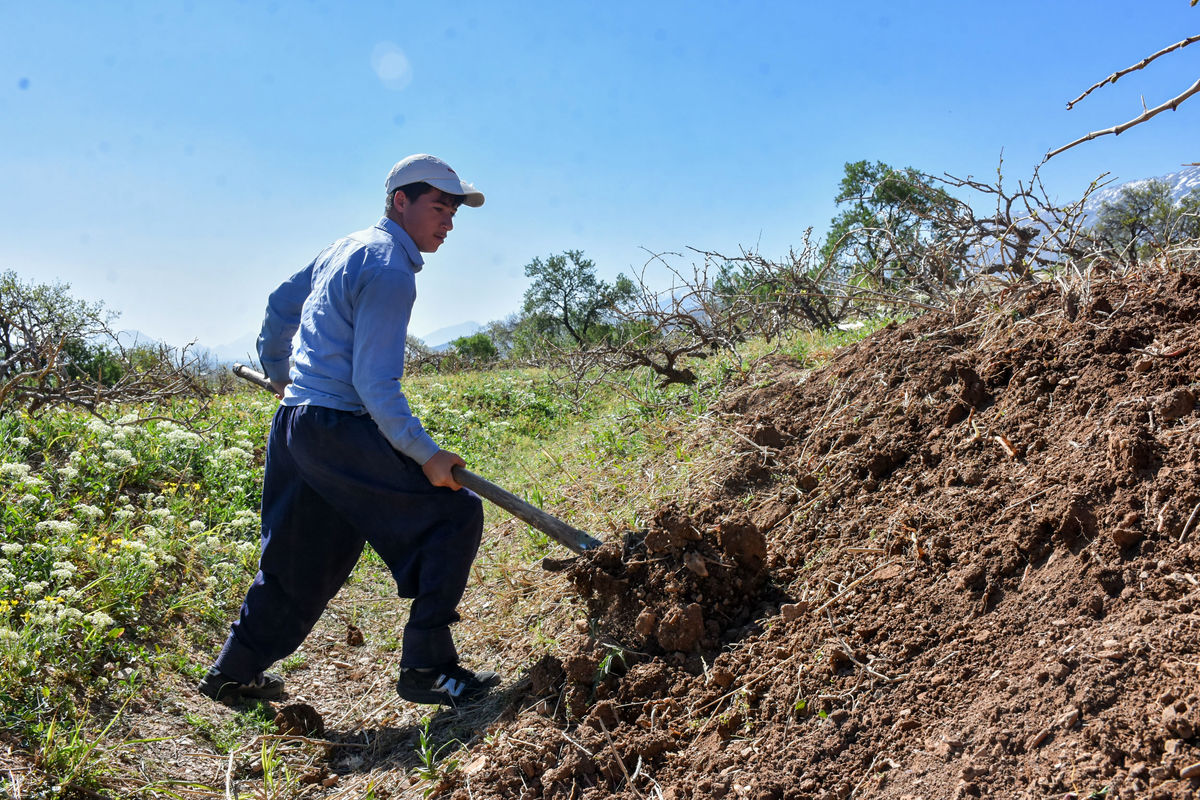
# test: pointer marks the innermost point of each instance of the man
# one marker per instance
(348, 463)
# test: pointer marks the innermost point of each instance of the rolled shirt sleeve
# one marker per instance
(281, 322)
(381, 314)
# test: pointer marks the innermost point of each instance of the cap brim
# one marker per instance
(471, 196)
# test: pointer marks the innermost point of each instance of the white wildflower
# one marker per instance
(98, 426)
(34, 588)
(122, 514)
(184, 439)
(14, 469)
(9, 635)
(160, 513)
(234, 454)
(139, 547)
(21, 441)
(57, 527)
(88, 511)
(196, 526)
(99, 619)
(11, 548)
(122, 456)
(128, 419)
(68, 473)
(244, 520)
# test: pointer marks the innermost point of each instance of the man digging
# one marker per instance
(348, 463)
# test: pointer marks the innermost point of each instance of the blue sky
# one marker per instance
(177, 160)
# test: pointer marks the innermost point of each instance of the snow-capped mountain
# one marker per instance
(1181, 182)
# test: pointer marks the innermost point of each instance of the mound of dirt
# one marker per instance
(960, 560)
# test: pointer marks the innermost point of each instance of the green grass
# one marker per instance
(126, 548)
(227, 735)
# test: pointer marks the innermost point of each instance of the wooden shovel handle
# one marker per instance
(569, 537)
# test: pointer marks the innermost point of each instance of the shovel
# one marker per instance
(571, 538)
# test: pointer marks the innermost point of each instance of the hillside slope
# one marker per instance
(959, 560)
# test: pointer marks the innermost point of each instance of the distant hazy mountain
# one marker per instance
(134, 338)
(1181, 183)
(243, 349)
(442, 337)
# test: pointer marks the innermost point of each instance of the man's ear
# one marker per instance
(399, 201)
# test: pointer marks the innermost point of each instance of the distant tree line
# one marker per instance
(57, 350)
(901, 238)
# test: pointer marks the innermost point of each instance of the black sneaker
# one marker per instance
(221, 687)
(448, 686)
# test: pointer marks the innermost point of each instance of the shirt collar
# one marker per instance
(406, 241)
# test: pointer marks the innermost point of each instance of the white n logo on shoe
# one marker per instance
(451, 686)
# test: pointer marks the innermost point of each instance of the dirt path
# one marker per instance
(351, 736)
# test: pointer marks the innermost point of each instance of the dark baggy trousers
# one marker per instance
(332, 483)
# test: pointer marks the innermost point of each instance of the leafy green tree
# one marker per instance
(501, 332)
(890, 221)
(476, 347)
(45, 330)
(57, 350)
(1143, 220)
(567, 300)
(92, 362)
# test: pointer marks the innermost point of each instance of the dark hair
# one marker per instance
(412, 191)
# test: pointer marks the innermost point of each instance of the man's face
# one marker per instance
(428, 219)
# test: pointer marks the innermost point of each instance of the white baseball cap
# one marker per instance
(423, 168)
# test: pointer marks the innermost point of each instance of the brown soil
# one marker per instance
(960, 560)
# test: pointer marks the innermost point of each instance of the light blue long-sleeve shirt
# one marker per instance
(351, 306)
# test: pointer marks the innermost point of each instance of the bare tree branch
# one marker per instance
(1171, 105)
(1120, 73)
(58, 351)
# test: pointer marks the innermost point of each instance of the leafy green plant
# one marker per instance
(615, 654)
(293, 662)
(431, 766)
(278, 780)
(225, 735)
